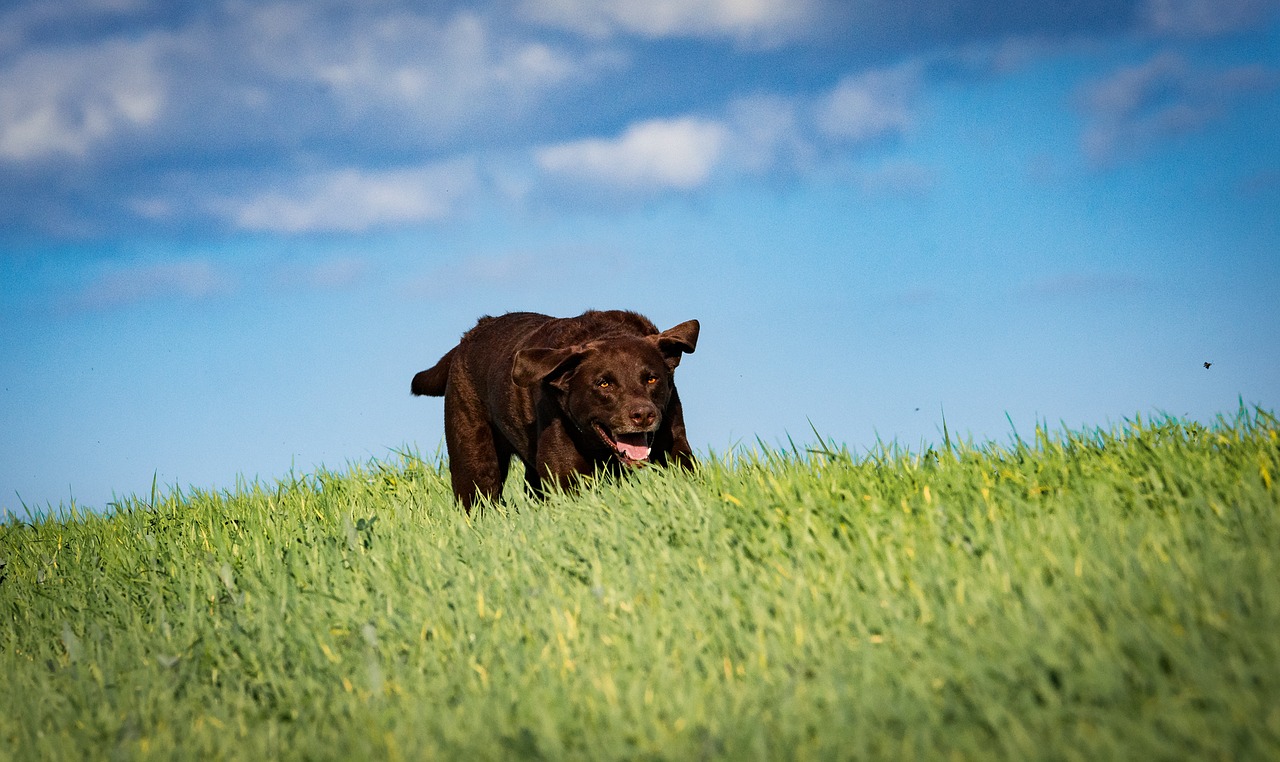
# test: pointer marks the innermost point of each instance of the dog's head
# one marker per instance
(614, 390)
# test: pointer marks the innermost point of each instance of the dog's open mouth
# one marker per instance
(630, 448)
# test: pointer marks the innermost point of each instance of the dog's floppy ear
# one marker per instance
(677, 341)
(533, 366)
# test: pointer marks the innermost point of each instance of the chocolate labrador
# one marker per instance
(568, 396)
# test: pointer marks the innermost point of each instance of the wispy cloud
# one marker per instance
(1084, 285)
(1207, 18)
(1137, 107)
(441, 75)
(898, 179)
(767, 133)
(1262, 182)
(871, 104)
(327, 274)
(354, 200)
(522, 270)
(758, 21)
(124, 284)
(21, 21)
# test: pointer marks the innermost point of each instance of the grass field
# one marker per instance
(1082, 595)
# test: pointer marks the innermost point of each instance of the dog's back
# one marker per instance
(488, 343)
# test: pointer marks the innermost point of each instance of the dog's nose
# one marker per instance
(644, 415)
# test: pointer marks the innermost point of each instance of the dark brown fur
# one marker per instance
(568, 396)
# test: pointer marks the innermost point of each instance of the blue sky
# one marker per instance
(233, 231)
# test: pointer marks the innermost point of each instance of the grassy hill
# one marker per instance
(1085, 595)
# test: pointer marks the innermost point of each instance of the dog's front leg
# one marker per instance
(558, 460)
(670, 443)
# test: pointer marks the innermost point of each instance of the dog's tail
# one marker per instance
(431, 382)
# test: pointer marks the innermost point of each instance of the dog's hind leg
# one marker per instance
(477, 463)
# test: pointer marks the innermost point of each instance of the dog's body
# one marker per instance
(568, 396)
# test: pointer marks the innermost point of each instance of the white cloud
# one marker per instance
(353, 200)
(70, 101)
(124, 284)
(762, 21)
(871, 104)
(658, 154)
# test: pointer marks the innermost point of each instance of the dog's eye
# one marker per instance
(651, 379)
(603, 383)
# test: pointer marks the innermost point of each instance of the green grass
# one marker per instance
(1086, 595)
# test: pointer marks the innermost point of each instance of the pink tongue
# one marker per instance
(635, 450)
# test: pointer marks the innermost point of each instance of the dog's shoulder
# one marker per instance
(501, 330)
(506, 323)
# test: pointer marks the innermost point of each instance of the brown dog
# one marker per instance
(568, 396)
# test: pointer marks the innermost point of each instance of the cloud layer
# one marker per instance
(292, 117)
